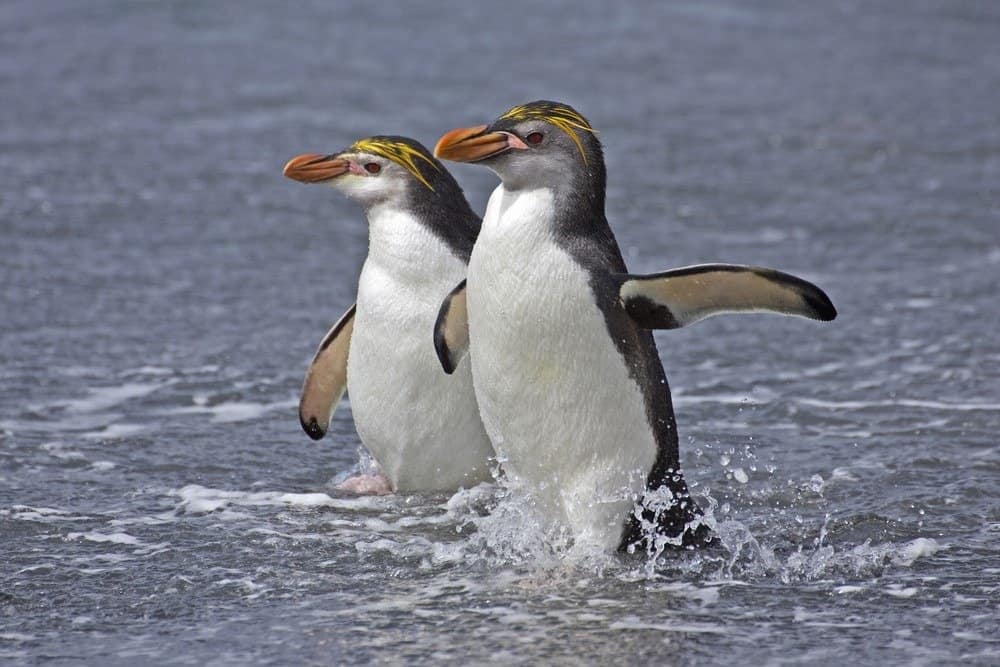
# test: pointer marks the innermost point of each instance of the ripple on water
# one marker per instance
(159, 504)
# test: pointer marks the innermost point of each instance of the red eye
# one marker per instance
(534, 138)
(373, 168)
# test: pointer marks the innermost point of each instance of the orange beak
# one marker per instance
(315, 168)
(470, 144)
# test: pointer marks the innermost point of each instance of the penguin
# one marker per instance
(420, 426)
(566, 372)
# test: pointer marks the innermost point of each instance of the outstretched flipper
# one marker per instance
(451, 330)
(326, 378)
(676, 298)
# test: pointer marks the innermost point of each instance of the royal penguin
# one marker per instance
(566, 372)
(421, 427)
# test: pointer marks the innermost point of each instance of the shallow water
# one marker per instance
(164, 288)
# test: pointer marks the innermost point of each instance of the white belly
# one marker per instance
(421, 425)
(554, 392)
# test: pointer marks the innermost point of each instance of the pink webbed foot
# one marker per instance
(366, 485)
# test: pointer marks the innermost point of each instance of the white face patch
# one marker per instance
(387, 186)
(529, 170)
(548, 164)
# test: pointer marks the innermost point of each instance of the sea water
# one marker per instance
(164, 288)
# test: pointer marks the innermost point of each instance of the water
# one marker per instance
(164, 289)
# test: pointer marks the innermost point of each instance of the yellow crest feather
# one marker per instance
(401, 153)
(560, 115)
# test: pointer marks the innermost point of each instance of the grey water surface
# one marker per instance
(163, 288)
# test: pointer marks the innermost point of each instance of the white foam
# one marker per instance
(239, 412)
(465, 500)
(102, 398)
(846, 590)
(907, 554)
(723, 399)
(149, 370)
(514, 530)
(706, 595)
(415, 547)
(74, 422)
(508, 616)
(822, 369)
(249, 586)
(287, 536)
(307, 499)
(59, 451)
(900, 592)
(116, 431)
(228, 515)
(919, 303)
(40, 514)
(820, 619)
(748, 556)
(114, 538)
(635, 623)
(157, 520)
(38, 510)
(842, 475)
(964, 406)
(233, 411)
(197, 499)
(99, 570)
(152, 549)
(101, 558)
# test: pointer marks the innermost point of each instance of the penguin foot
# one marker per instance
(666, 519)
(639, 539)
(697, 537)
(366, 485)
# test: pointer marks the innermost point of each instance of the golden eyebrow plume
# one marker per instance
(563, 117)
(399, 152)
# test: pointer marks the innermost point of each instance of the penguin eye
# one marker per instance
(373, 167)
(534, 138)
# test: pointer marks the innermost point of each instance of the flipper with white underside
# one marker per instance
(326, 378)
(680, 297)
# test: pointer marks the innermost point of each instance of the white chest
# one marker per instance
(420, 424)
(553, 390)
(408, 270)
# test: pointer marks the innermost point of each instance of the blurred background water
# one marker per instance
(164, 288)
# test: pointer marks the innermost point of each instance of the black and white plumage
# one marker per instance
(569, 383)
(422, 427)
